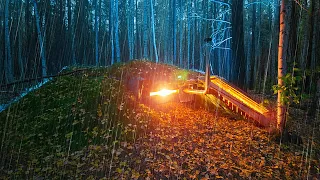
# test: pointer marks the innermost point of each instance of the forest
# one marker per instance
(39, 38)
(68, 109)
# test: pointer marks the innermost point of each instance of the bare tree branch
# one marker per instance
(221, 2)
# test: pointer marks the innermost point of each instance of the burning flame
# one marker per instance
(163, 92)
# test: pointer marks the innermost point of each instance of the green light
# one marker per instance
(180, 75)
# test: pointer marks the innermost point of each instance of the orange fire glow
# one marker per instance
(163, 92)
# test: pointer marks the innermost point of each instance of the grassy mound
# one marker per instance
(47, 132)
(87, 125)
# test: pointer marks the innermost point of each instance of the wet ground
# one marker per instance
(191, 143)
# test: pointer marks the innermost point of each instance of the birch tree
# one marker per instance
(153, 32)
(281, 109)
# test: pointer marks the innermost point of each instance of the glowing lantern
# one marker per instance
(163, 92)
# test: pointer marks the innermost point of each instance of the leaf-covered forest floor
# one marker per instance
(88, 125)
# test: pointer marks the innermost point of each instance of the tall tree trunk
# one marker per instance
(41, 42)
(193, 37)
(174, 23)
(52, 30)
(69, 18)
(2, 45)
(111, 29)
(128, 15)
(100, 17)
(267, 69)
(116, 29)
(275, 32)
(74, 30)
(8, 59)
(189, 33)
(315, 35)
(130, 22)
(201, 61)
(307, 35)
(61, 36)
(253, 47)
(20, 59)
(138, 34)
(167, 37)
(96, 25)
(292, 31)
(145, 30)
(259, 54)
(61, 14)
(200, 42)
(309, 78)
(238, 56)
(27, 35)
(70, 35)
(314, 64)
(132, 28)
(282, 66)
(153, 32)
(181, 33)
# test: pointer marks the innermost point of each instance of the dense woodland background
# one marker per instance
(40, 37)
